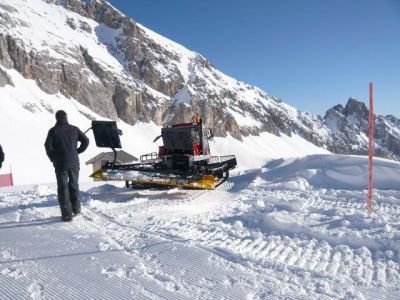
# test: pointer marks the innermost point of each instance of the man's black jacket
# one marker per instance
(1, 156)
(62, 145)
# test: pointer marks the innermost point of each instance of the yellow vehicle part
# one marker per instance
(208, 182)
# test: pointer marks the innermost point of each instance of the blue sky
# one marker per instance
(313, 54)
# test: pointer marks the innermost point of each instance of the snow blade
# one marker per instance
(147, 179)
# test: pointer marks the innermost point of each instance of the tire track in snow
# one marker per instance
(289, 253)
(309, 255)
(52, 260)
(317, 257)
(118, 232)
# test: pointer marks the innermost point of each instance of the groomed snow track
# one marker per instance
(248, 239)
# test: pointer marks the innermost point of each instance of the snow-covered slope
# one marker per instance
(261, 235)
(121, 69)
(27, 113)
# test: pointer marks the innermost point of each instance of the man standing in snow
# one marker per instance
(62, 149)
(1, 156)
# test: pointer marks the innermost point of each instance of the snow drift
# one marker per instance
(333, 172)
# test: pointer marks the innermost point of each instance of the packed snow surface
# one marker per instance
(294, 229)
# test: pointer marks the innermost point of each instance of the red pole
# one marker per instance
(11, 177)
(371, 145)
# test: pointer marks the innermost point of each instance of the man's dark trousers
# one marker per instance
(68, 192)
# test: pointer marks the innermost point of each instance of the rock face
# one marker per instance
(5, 79)
(95, 54)
(349, 130)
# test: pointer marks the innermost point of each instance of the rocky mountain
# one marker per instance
(348, 128)
(91, 52)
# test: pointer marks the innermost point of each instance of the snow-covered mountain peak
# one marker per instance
(356, 108)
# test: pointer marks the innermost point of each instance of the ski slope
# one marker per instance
(27, 113)
(294, 229)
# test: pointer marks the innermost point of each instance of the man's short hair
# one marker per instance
(61, 115)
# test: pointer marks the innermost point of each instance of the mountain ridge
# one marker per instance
(121, 70)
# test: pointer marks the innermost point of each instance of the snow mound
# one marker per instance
(345, 172)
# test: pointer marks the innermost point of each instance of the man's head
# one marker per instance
(61, 116)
